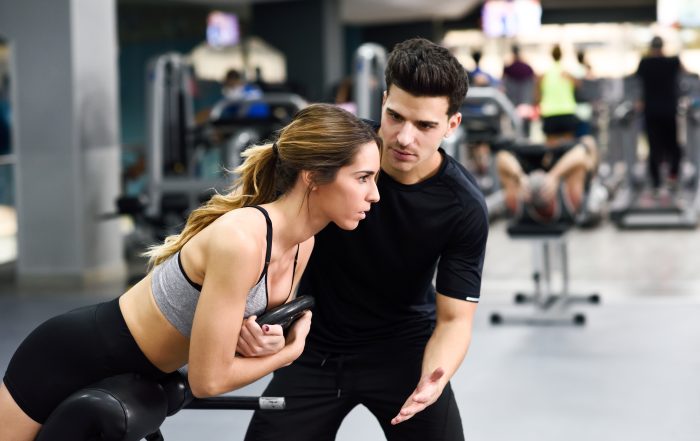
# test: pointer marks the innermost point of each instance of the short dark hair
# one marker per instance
(556, 52)
(422, 68)
(233, 75)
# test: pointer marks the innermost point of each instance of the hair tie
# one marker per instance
(275, 150)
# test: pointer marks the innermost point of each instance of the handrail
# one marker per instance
(502, 101)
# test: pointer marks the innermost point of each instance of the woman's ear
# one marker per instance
(308, 178)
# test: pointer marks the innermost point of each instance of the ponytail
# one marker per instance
(254, 186)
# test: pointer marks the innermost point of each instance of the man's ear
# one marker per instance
(452, 123)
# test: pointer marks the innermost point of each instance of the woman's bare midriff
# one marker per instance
(160, 342)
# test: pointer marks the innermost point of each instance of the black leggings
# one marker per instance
(69, 352)
(321, 390)
(662, 133)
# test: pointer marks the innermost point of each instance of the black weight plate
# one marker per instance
(286, 314)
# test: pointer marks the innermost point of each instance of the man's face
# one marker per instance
(412, 129)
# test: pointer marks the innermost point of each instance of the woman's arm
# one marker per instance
(254, 341)
(232, 268)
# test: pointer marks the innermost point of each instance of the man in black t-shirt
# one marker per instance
(659, 76)
(382, 335)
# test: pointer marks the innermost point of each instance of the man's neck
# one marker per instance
(419, 174)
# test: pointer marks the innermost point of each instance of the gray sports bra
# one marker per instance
(176, 294)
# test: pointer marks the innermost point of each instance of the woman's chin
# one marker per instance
(348, 225)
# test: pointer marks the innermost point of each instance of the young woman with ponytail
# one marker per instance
(198, 303)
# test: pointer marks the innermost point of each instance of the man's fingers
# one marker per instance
(407, 413)
(421, 397)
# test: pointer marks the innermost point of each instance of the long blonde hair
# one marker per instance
(320, 139)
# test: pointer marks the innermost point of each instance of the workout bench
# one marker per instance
(550, 307)
(129, 407)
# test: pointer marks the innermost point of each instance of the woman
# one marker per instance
(224, 266)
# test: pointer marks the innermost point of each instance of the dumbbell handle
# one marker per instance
(238, 402)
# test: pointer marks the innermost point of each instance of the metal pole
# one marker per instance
(370, 61)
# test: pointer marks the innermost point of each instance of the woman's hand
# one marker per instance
(257, 341)
(296, 337)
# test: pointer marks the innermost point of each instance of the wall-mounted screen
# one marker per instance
(222, 29)
(510, 18)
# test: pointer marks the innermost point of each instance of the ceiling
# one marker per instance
(378, 11)
(394, 11)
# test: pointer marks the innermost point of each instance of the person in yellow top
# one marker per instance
(555, 95)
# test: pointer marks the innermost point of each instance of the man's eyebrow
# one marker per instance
(426, 122)
(389, 109)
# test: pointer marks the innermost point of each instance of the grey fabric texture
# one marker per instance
(177, 298)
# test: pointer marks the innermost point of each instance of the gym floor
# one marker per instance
(631, 373)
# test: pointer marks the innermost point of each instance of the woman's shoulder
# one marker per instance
(239, 231)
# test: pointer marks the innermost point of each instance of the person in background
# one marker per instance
(478, 77)
(584, 108)
(659, 76)
(236, 88)
(547, 185)
(555, 95)
(344, 96)
(519, 86)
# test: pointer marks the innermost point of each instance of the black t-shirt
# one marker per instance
(373, 286)
(660, 76)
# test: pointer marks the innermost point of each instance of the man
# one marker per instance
(519, 87)
(546, 184)
(659, 77)
(382, 335)
(521, 74)
(478, 76)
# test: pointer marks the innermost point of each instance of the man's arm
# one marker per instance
(444, 353)
(639, 102)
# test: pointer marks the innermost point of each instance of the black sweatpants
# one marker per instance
(320, 390)
(662, 133)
